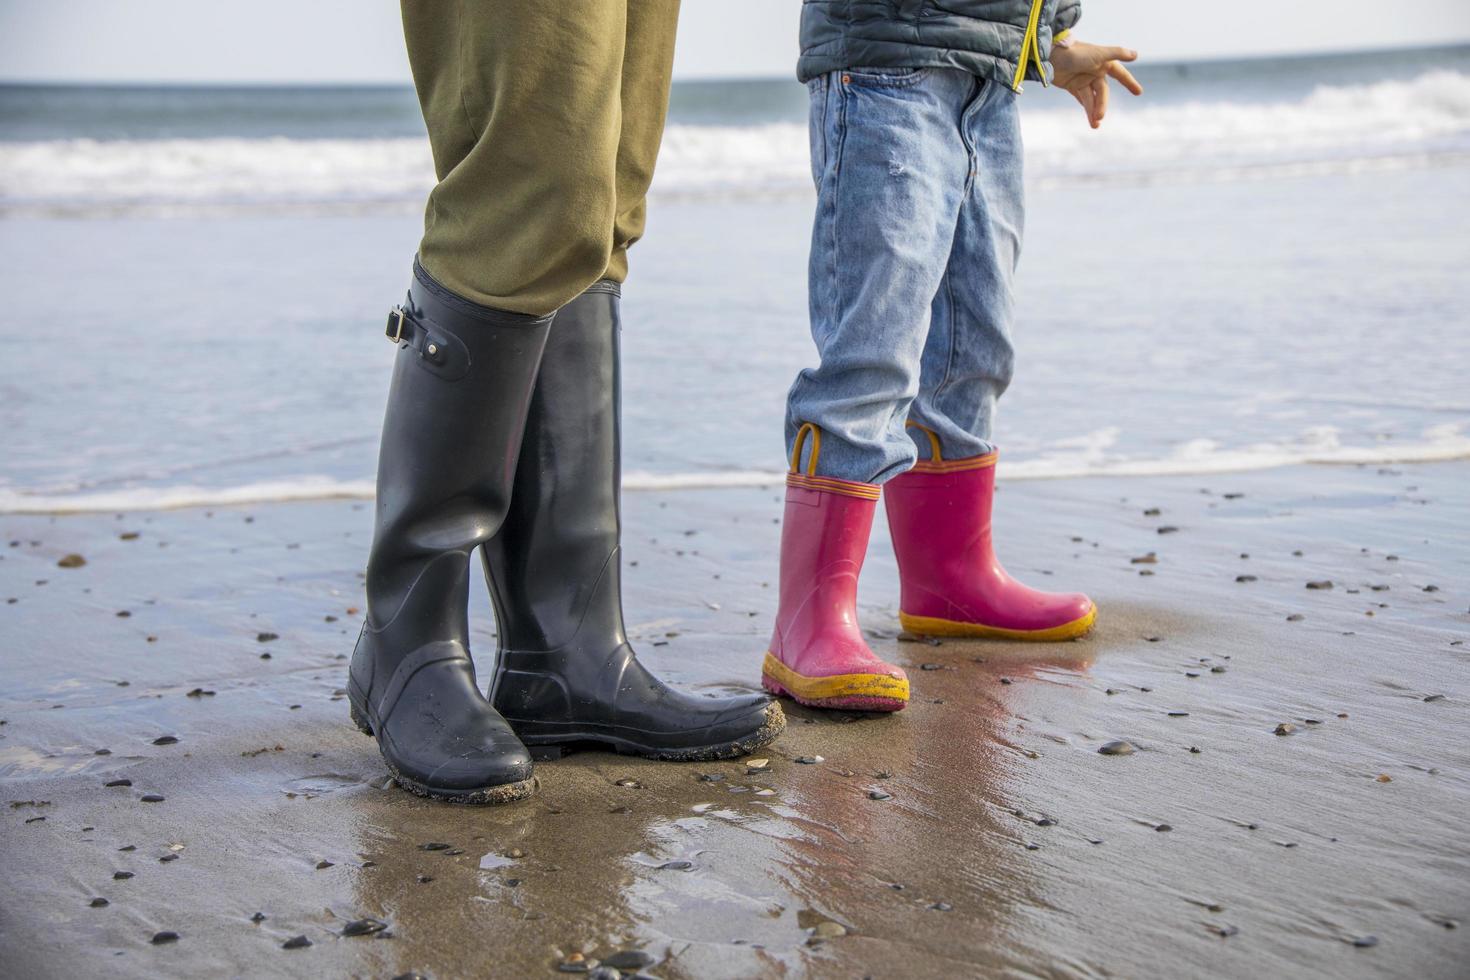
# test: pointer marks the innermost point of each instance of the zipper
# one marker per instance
(1030, 48)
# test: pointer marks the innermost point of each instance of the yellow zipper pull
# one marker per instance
(1030, 48)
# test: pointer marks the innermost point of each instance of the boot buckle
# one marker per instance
(399, 324)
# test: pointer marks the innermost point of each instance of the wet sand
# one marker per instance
(979, 832)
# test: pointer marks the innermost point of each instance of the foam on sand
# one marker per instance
(1200, 456)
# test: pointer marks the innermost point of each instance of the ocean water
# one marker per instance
(1258, 263)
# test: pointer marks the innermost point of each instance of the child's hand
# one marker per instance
(1083, 69)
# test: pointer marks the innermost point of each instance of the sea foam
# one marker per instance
(1343, 128)
(1200, 456)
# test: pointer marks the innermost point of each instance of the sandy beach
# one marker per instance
(1238, 423)
(175, 756)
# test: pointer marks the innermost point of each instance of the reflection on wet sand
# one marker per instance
(915, 821)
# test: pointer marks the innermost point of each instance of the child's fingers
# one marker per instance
(1125, 77)
(1120, 54)
(1099, 101)
(1084, 96)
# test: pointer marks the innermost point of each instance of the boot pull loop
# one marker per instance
(935, 456)
(811, 462)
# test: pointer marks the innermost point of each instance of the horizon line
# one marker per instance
(1304, 55)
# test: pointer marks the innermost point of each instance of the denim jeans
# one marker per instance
(914, 247)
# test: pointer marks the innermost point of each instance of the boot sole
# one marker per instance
(848, 692)
(481, 796)
(933, 626)
(554, 745)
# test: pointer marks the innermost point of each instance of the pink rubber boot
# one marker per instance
(818, 655)
(952, 583)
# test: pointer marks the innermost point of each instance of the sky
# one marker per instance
(359, 41)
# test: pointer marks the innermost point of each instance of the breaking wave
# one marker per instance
(1344, 128)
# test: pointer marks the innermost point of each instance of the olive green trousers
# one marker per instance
(544, 119)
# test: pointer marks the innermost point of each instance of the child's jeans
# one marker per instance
(914, 247)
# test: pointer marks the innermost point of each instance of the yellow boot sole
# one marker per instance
(933, 626)
(859, 692)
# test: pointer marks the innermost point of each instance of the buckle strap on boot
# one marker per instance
(438, 350)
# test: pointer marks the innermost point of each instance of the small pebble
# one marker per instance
(1285, 728)
(1245, 578)
(1295, 618)
(121, 875)
(1117, 747)
(266, 637)
(1163, 828)
(878, 794)
(98, 903)
(628, 960)
(809, 760)
(434, 846)
(296, 942)
(258, 917)
(1320, 584)
(578, 965)
(118, 782)
(1365, 942)
(71, 561)
(166, 740)
(167, 936)
(941, 907)
(829, 930)
(151, 798)
(364, 927)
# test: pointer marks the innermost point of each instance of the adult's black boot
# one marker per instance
(457, 407)
(566, 674)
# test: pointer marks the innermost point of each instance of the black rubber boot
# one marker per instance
(456, 410)
(566, 674)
